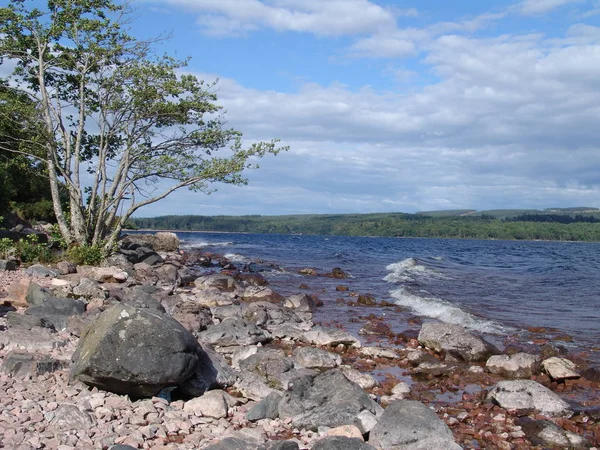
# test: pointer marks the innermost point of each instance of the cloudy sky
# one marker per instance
(397, 105)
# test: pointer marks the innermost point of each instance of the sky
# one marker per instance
(400, 106)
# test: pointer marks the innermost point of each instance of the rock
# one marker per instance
(526, 395)
(328, 399)
(261, 294)
(410, 425)
(400, 390)
(89, 289)
(168, 274)
(104, 274)
(267, 408)
(377, 352)
(455, 341)
(16, 293)
(35, 339)
(192, 316)
(321, 337)
(548, 434)
(38, 270)
(120, 261)
(66, 267)
(366, 300)
(560, 369)
(341, 443)
(251, 279)
(57, 311)
(212, 372)
(24, 365)
(315, 358)
(252, 385)
(143, 297)
(308, 271)
(265, 314)
(165, 241)
(16, 321)
(364, 380)
(301, 303)
(233, 331)
(223, 283)
(225, 311)
(336, 272)
(231, 443)
(269, 364)
(36, 294)
(519, 365)
(349, 431)
(211, 404)
(7, 264)
(280, 445)
(70, 417)
(135, 352)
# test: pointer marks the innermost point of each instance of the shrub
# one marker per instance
(85, 255)
(30, 250)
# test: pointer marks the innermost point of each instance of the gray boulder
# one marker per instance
(267, 408)
(89, 289)
(410, 425)
(223, 283)
(233, 331)
(316, 358)
(341, 443)
(192, 316)
(36, 294)
(323, 338)
(527, 395)
(261, 294)
(144, 297)
(232, 443)
(136, 352)
(265, 314)
(560, 369)
(24, 322)
(328, 399)
(56, 311)
(38, 270)
(519, 365)
(547, 434)
(270, 364)
(455, 341)
(301, 303)
(22, 365)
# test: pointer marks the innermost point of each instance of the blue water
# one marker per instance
(495, 287)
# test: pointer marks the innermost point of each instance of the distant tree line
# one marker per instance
(385, 224)
(558, 218)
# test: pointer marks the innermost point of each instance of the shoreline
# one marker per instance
(455, 390)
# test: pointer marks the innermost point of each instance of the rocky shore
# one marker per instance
(161, 349)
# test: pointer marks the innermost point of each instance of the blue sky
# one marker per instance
(396, 105)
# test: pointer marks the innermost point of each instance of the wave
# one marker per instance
(408, 270)
(234, 257)
(202, 244)
(444, 311)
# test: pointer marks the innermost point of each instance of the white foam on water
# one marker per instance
(444, 311)
(409, 269)
(234, 257)
(202, 244)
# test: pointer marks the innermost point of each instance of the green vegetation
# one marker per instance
(387, 224)
(85, 255)
(101, 101)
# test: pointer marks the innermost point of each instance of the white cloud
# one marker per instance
(535, 7)
(512, 121)
(322, 18)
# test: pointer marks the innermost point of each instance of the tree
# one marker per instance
(123, 128)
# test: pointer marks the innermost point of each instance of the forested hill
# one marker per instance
(565, 224)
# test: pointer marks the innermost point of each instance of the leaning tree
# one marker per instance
(122, 127)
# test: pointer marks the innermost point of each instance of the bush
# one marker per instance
(30, 250)
(85, 255)
(7, 248)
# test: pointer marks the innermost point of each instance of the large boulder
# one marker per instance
(410, 425)
(261, 294)
(341, 443)
(159, 242)
(560, 369)
(328, 399)
(136, 352)
(212, 372)
(455, 341)
(330, 337)
(104, 274)
(527, 395)
(265, 314)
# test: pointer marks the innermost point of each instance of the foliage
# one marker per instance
(56, 239)
(89, 255)
(30, 250)
(139, 125)
(383, 224)
(7, 248)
